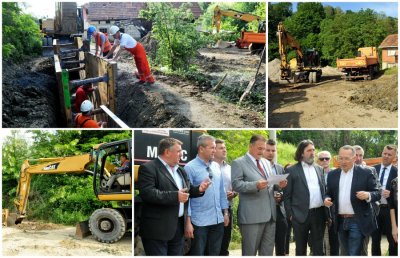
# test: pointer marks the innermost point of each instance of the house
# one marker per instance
(390, 51)
(125, 15)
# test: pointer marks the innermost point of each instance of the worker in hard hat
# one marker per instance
(101, 41)
(84, 119)
(125, 41)
(81, 95)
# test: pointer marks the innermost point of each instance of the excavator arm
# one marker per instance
(63, 165)
(218, 13)
(286, 41)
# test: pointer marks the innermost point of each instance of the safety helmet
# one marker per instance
(86, 106)
(91, 29)
(113, 29)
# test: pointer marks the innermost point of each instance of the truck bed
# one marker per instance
(358, 62)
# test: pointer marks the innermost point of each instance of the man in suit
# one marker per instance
(387, 172)
(352, 189)
(165, 189)
(257, 207)
(331, 239)
(304, 200)
(281, 225)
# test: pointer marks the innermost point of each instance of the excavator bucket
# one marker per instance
(8, 219)
(4, 217)
(82, 229)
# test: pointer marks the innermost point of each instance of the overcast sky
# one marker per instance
(43, 8)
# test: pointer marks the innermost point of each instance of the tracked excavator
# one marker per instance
(254, 41)
(305, 67)
(107, 225)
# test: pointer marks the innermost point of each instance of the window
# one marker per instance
(392, 53)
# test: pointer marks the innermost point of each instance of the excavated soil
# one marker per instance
(333, 102)
(188, 103)
(47, 239)
(30, 97)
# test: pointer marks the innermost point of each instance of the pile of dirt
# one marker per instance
(274, 70)
(381, 94)
(30, 97)
(37, 225)
(154, 111)
(329, 70)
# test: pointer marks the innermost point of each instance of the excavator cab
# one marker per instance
(109, 182)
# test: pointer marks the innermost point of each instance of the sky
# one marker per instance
(389, 8)
(44, 8)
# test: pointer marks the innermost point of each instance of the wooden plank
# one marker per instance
(112, 85)
(114, 118)
(67, 97)
(58, 71)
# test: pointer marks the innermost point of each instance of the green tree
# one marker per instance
(21, 35)
(175, 31)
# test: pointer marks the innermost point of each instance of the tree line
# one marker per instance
(332, 31)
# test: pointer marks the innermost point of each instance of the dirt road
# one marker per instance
(46, 239)
(334, 103)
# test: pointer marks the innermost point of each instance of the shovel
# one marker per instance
(251, 83)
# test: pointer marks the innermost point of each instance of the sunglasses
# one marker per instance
(210, 174)
(321, 159)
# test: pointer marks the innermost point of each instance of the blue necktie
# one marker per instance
(382, 176)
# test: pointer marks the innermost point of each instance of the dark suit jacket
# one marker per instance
(363, 180)
(159, 193)
(392, 175)
(296, 193)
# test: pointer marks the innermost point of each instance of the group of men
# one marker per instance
(83, 106)
(349, 203)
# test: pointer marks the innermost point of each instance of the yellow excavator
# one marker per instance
(109, 224)
(255, 41)
(305, 67)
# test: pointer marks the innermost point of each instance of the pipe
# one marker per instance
(89, 81)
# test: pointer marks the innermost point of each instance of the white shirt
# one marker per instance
(385, 179)
(178, 180)
(226, 174)
(265, 164)
(126, 41)
(313, 186)
(345, 182)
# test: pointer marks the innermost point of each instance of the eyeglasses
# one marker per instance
(210, 174)
(321, 159)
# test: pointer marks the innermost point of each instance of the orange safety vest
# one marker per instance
(82, 121)
(107, 44)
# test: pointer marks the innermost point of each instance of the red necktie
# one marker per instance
(260, 168)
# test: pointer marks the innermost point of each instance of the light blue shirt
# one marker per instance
(206, 210)
(178, 180)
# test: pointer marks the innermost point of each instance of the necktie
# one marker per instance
(260, 168)
(382, 176)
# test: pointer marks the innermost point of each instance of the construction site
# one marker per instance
(40, 92)
(341, 84)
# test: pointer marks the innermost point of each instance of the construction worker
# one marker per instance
(81, 95)
(101, 41)
(84, 119)
(125, 41)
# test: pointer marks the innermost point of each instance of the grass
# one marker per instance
(390, 71)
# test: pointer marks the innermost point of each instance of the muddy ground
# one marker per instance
(30, 94)
(47, 239)
(333, 102)
(186, 103)
(30, 97)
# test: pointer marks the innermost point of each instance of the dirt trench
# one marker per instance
(47, 239)
(333, 102)
(30, 97)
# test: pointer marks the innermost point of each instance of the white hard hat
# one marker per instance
(86, 106)
(113, 29)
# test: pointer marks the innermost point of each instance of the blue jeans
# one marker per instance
(207, 236)
(350, 236)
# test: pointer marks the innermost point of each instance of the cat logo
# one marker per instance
(52, 166)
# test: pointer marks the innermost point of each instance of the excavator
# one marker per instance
(305, 67)
(254, 41)
(107, 225)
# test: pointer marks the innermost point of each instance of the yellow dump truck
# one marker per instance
(365, 65)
